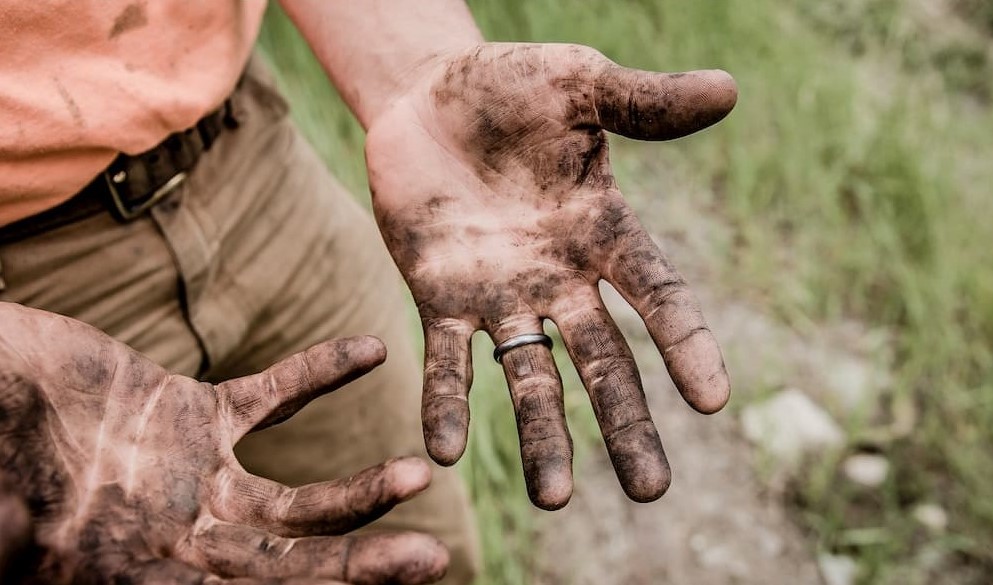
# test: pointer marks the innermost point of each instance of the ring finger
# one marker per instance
(536, 391)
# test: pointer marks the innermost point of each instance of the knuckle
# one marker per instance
(669, 298)
(605, 367)
(527, 379)
(668, 291)
(684, 338)
(444, 365)
(445, 380)
(436, 404)
(639, 425)
(539, 405)
(284, 504)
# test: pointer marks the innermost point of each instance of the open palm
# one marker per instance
(493, 190)
(129, 475)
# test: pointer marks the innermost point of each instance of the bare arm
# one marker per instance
(371, 49)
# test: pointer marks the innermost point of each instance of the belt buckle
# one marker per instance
(126, 213)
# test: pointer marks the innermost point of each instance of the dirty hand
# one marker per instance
(493, 190)
(129, 475)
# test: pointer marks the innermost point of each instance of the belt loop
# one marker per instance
(232, 113)
(193, 250)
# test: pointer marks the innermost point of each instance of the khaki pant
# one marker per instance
(260, 254)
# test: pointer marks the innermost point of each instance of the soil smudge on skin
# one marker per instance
(71, 105)
(132, 17)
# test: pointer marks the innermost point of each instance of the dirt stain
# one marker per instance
(71, 105)
(131, 18)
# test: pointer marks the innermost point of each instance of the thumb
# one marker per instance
(657, 106)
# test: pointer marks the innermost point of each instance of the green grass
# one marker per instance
(855, 174)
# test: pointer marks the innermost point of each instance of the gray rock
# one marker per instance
(837, 569)
(852, 380)
(790, 425)
(931, 516)
(866, 470)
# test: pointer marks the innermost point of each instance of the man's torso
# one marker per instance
(82, 80)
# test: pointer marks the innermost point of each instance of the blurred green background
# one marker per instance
(855, 175)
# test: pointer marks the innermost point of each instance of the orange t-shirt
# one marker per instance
(82, 80)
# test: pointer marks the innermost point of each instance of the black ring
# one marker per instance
(518, 341)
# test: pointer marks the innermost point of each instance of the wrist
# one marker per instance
(376, 50)
(417, 71)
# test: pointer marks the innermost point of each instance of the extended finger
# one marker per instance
(447, 378)
(333, 507)
(609, 373)
(652, 106)
(230, 550)
(277, 393)
(644, 276)
(546, 446)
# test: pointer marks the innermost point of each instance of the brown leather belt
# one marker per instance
(131, 185)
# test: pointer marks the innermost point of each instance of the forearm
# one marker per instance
(371, 49)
